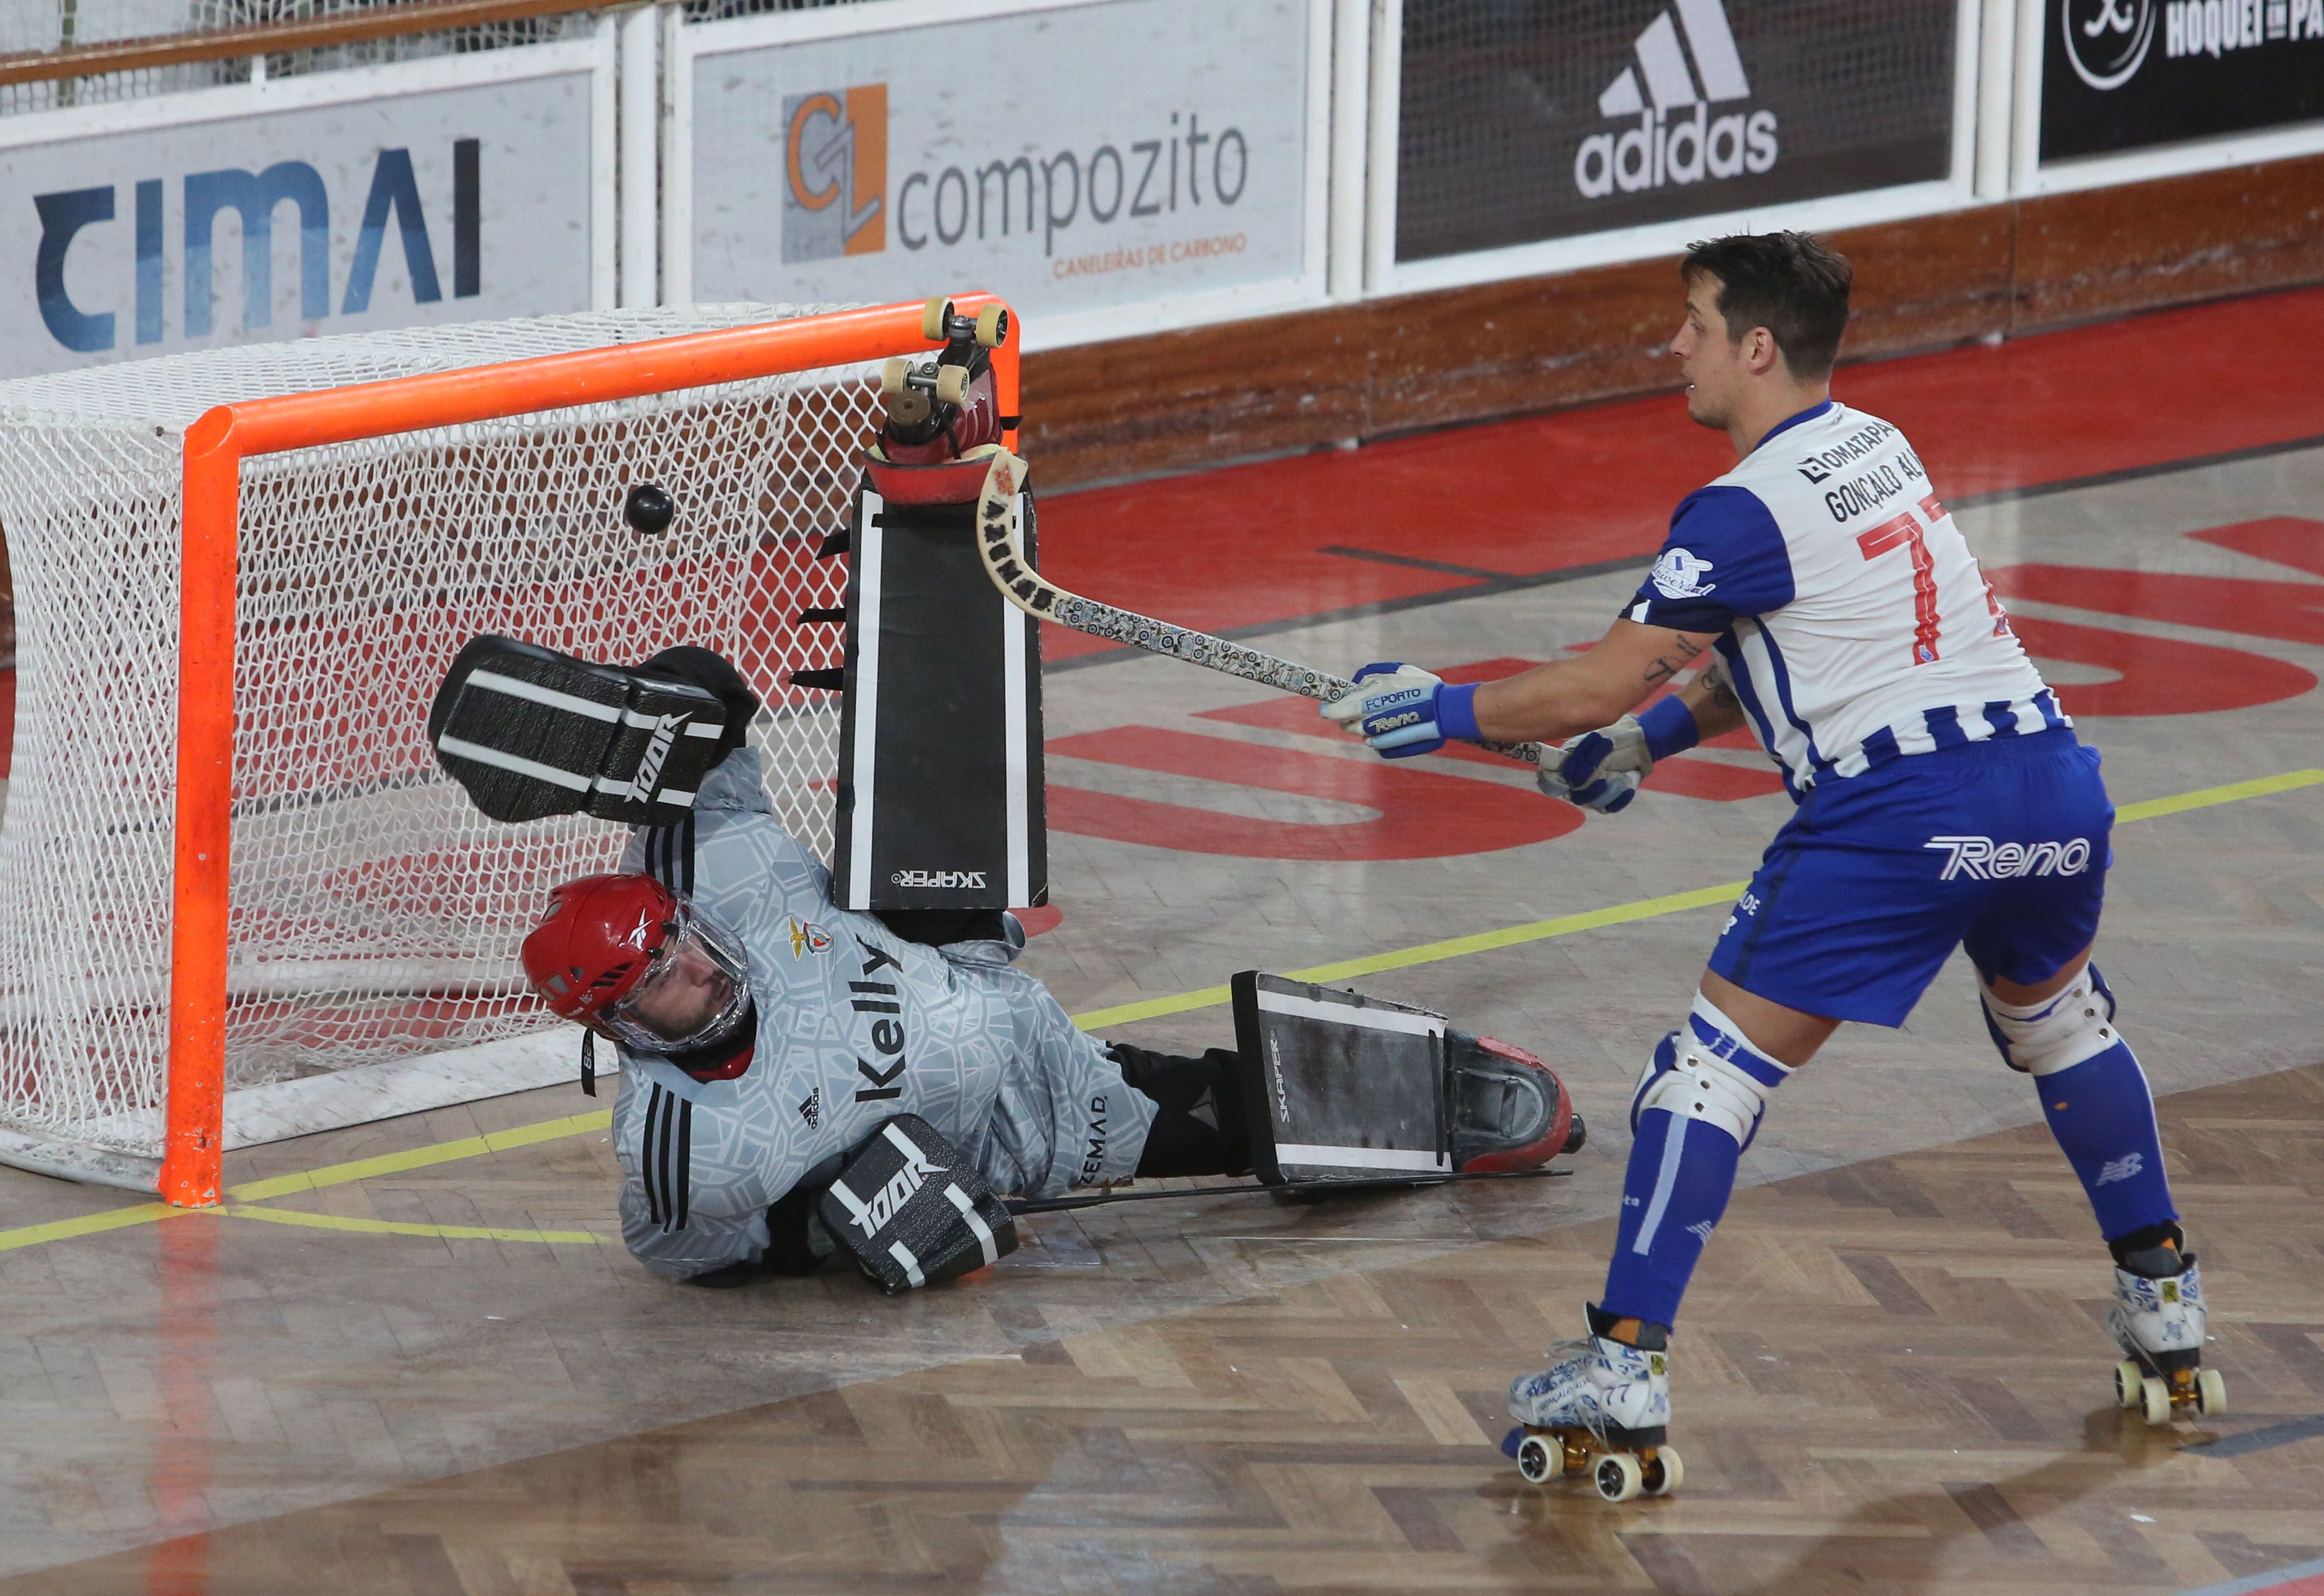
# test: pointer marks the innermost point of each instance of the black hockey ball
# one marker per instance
(649, 509)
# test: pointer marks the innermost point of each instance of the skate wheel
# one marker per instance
(952, 384)
(2210, 1393)
(1540, 1458)
(2126, 1376)
(933, 316)
(2154, 1401)
(1664, 1473)
(1619, 1477)
(992, 326)
(892, 377)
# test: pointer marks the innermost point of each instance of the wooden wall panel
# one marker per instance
(2103, 251)
(1302, 381)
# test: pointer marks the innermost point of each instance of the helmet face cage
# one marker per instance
(702, 937)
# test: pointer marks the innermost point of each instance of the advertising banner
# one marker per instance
(1527, 122)
(227, 216)
(1071, 159)
(2121, 75)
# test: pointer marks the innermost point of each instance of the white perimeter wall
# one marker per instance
(1113, 167)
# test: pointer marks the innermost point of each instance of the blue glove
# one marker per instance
(1601, 770)
(1401, 710)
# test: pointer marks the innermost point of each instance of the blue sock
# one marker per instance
(1680, 1177)
(2103, 1116)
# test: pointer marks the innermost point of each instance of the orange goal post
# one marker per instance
(238, 900)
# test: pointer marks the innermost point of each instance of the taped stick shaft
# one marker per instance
(1004, 562)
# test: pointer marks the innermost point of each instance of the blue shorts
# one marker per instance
(2000, 847)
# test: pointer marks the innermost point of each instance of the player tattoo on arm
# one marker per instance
(1713, 682)
(1675, 659)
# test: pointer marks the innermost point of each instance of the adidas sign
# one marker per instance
(1678, 139)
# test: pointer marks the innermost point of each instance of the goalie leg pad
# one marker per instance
(530, 732)
(913, 1211)
(1339, 1087)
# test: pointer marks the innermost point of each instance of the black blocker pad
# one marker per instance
(940, 799)
(913, 1211)
(1342, 1087)
(530, 732)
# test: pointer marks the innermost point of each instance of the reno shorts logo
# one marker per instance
(1981, 859)
(1678, 139)
(939, 878)
(835, 167)
(2107, 40)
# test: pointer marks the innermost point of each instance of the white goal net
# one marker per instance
(374, 915)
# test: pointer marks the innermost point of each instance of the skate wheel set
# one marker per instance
(1544, 1455)
(2158, 1393)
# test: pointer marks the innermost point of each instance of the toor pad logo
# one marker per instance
(835, 167)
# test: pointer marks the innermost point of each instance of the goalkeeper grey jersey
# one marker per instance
(855, 1026)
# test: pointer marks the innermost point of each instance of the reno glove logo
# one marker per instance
(836, 166)
(1671, 88)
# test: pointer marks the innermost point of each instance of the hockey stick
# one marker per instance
(1004, 561)
(1024, 1205)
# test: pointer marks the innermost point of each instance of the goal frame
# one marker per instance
(216, 446)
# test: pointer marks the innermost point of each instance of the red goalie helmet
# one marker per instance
(633, 960)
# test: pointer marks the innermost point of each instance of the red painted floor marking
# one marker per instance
(1421, 814)
(2291, 611)
(1037, 920)
(2157, 675)
(1241, 545)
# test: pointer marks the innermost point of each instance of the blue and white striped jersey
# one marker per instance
(1858, 627)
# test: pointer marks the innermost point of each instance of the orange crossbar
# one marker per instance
(193, 1143)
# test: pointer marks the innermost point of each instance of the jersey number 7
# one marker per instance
(1903, 530)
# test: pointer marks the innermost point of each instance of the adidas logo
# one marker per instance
(1677, 139)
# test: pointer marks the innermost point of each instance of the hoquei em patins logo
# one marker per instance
(1686, 68)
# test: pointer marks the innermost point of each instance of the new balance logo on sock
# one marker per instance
(2123, 1168)
(1700, 1231)
(1677, 140)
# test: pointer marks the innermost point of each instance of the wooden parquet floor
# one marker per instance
(1892, 1377)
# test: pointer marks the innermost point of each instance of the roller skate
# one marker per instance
(2158, 1321)
(944, 421)
(1510, 1110)
(1603, 1408)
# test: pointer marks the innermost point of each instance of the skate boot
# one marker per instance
(1510, 1110)
(1602, 1407)
(2158, 1321)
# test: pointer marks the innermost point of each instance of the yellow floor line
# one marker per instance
(1429, 952)
(390, 1227)
(1207, 997)
(418, 1157)
(88, 1224)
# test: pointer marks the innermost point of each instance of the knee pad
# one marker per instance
(1708, 1072)
(2057, 1033)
